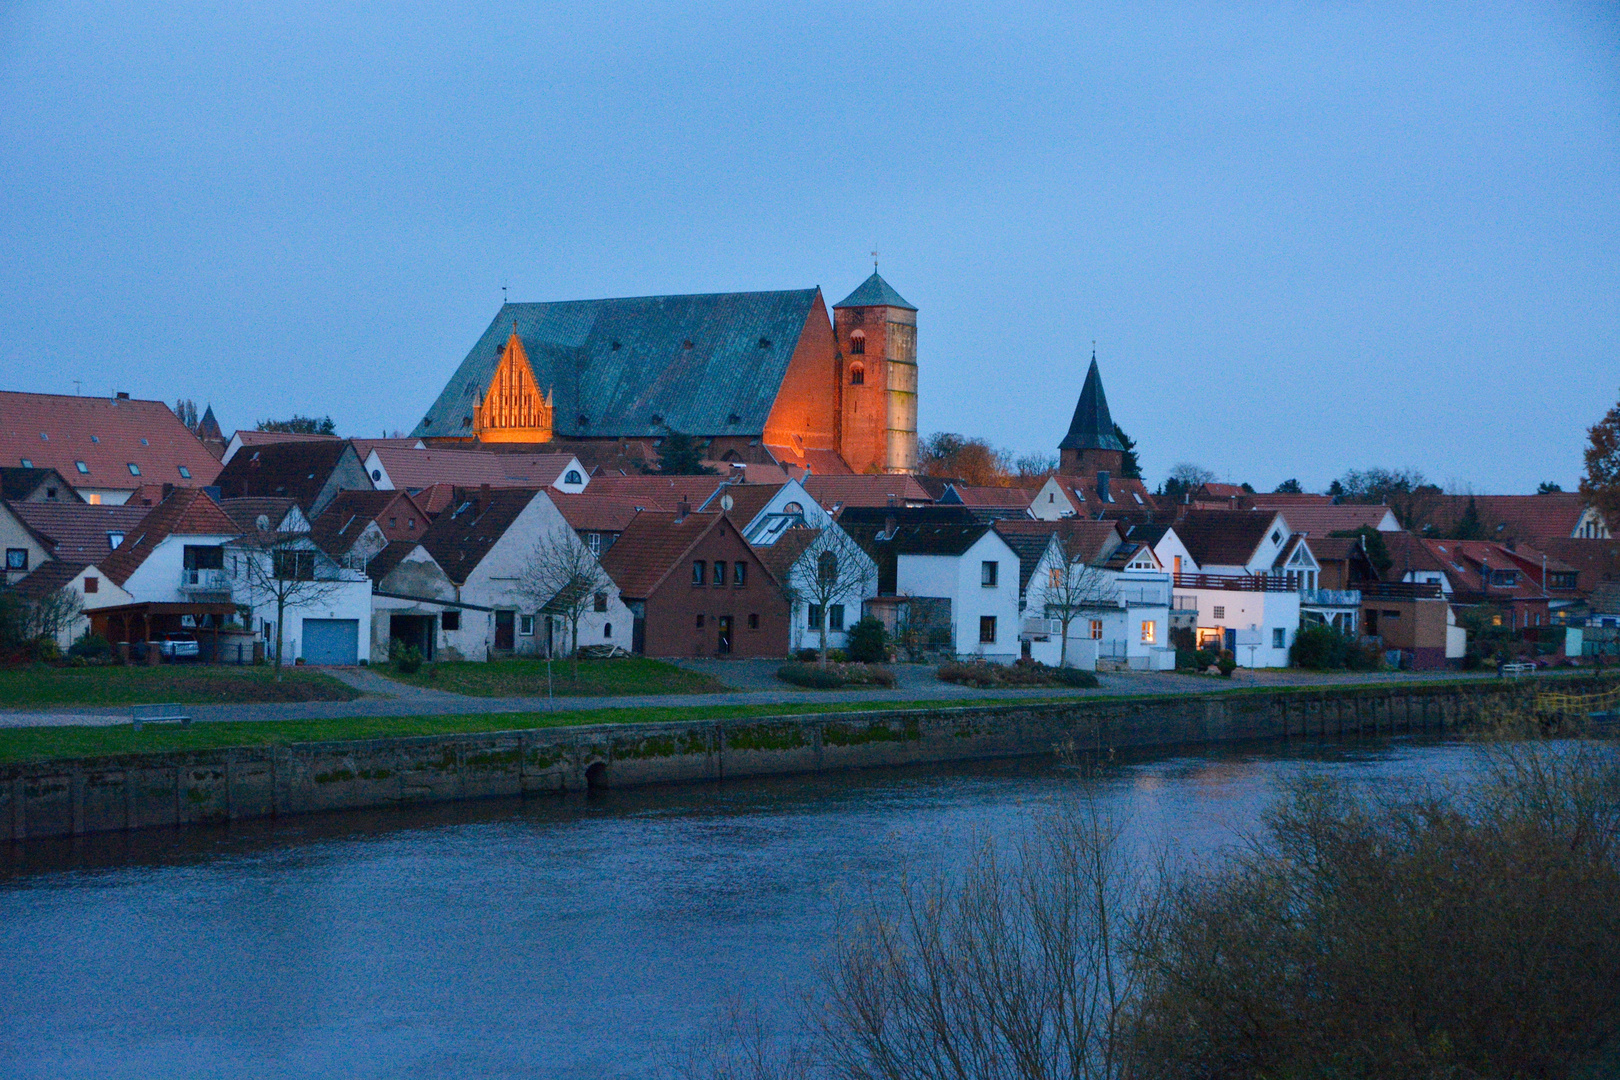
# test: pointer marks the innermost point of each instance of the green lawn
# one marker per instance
(54, 743)
(527, 678)
(192, 684)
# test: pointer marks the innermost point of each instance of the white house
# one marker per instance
(483, 541)
(768, 511)
(87, 584)
(964, 576)
(323, 605)
(1234, 583)
(414, 602)
(794, 556)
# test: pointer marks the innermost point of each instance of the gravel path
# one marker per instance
(755, 682)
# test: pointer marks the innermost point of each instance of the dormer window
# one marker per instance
(114, 539)
(857, 374)
(95, 439)
(572, 477)
(793, 508)
(857, 343)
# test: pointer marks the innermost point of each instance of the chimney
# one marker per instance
(1102, 486)
(682, 508)
(739, 472)
(123, 395)
(168, 489)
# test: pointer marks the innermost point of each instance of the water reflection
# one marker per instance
(566, 936)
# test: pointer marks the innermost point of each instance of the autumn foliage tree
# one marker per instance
(973, 460)
(1601, 483)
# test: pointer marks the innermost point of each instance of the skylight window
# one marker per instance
(185, 473)
(81, 466)
(145, 443)
(134, 469)
(27, 463)
(95, 438)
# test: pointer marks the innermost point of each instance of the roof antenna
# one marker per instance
(75, 387)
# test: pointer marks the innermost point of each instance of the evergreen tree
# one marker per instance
(1288, 487)
(300, 425)
(680, 455)
(1130, 467)
(1469, 527)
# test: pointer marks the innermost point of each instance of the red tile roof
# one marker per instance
(590, 512)
(186, 512)
(818, 462)
(653, 543)
(57, 431)
(474, 522)
(747, 500)
(292, 470)
(1010, 498)
(1530, 518)
(1595, 561)
(865, 490)
(658, 492)
(1223, 537)
(1316, 520)
(79, 530)
(412, 470)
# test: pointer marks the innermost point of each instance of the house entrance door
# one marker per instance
(725, 635)
(503, 630)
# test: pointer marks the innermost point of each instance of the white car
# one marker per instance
(179, 647)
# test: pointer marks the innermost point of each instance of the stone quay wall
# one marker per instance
(138, 791)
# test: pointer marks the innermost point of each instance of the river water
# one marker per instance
(568, 936)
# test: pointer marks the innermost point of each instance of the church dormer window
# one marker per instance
(857, 343)
(857, 374)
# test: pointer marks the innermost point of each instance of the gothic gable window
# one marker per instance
(857, 343)
(857, 374)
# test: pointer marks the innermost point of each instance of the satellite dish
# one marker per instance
(262, 523)
(727, 502)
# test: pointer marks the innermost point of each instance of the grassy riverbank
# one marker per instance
(190, 684)
(562, 678)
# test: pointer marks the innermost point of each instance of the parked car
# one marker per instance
(179, 647)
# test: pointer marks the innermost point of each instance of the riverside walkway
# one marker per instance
(755, 683)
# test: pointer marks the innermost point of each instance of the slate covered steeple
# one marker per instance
(1091, 443)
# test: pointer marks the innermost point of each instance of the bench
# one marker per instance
(159, 714)
(1513, 671)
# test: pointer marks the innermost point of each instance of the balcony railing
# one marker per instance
(1400, 590)
(1240, 582)
(1156, 594)
(195, 580)
(1347, 598)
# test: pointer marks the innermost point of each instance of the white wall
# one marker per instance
(347, 597)
(157, 579)
(958, 577)
(1265, 612)
(803, 635)
(14, 534)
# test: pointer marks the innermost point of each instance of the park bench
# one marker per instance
(1514, 671)
(159, 714)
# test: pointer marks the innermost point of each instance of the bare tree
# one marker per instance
(561, 576)
(834, 569)
(1073, 586)
(284, 569)
(185, 410)
(54, 613)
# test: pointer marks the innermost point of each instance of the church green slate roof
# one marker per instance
(639, 367)
(874, 292)
(1092, 428)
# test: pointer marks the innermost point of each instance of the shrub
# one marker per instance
(869, 641)
(1203, 658)
(1227, 665)
(46, 649)
(1319, 647)
(807, 656)
(986, 675)
(1186, 660)
(407, 659)
(90, 647)
(1069, 676)
(812, 676)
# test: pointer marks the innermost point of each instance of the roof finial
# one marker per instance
(1093, 350)
(874, 262)
(503, 296)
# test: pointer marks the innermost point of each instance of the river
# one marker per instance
(569, 936)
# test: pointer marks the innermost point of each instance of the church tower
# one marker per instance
(877, 341)
(1091, 445)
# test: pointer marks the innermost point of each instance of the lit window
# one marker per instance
(1096, 629)
(185, 473)
(987, 574)
(1149, 631)
(81, 466)
(987, 629)
(526, 625)
(134, 469)
(1054, 577)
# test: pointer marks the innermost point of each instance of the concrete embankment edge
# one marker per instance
(62, 798)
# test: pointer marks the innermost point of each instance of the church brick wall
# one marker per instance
(805, 413)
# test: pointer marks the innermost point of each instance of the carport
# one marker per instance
(149, 621)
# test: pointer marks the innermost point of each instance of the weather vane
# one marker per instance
(874, 262)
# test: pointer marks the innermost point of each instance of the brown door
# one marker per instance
(725, 635)
(503, 630)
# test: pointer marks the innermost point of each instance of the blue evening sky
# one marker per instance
(1306, 237)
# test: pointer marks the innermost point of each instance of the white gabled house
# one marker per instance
(794, 558)
(483, 541)
(949, 588)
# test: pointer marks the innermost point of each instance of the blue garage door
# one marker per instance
(332, 641)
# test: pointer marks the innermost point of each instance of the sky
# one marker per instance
(1305, 237)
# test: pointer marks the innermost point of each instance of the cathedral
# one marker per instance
(758, 378)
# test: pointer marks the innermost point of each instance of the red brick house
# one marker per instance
(696, 588)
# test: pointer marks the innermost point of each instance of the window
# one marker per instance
(857, 343)
(987, 629)
(835, 617)
(82, 467)
(1279, 638)
(857, 374)
(719, 572)
(1054, 577)
(700, 621)
(1390, 614)
(1507, 578)
(1149, 631)
(987, 574)
(1220, 611)
(16, 558)
(572, 477)
(185, 473)
(450, 620)
(1276, 536)
(813, 617)
(526, 625)
(95, 438)
(393, 523)
(114, 539)
(134, 469)
(600, 603)
(27, 464)
(739, 575)
(92, 585)
(410, 523)
(753, 620)
(698, 569)
(376, 474)
(1096, 629)
(145, 443)
(594, 542)
(289, 565)
(607, 630)
(793, 508)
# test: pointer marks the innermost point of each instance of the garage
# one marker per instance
(332, 641)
